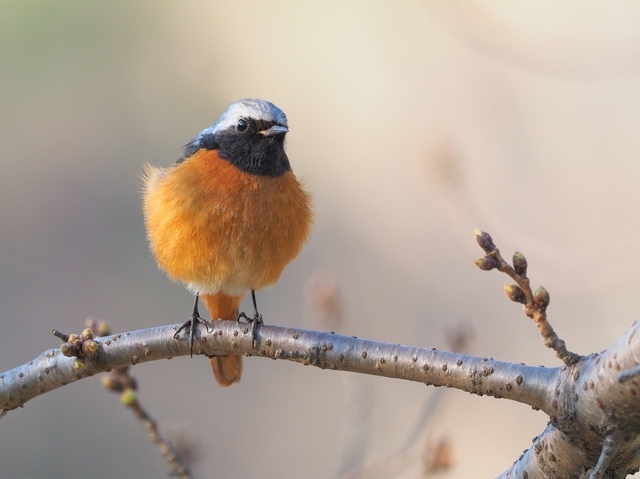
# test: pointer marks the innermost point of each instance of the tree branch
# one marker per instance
(596, 423)
(480, 376)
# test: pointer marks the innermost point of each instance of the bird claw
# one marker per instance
(255, 321)
(190, 326)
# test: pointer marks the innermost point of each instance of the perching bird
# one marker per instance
(229, 215)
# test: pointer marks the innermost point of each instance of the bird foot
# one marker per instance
(190, 326)
(255, 321)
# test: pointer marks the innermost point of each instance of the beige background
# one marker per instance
(413, 123)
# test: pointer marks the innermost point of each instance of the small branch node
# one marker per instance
(629, 374)
(59, 335)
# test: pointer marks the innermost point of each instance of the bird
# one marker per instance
(228, 216)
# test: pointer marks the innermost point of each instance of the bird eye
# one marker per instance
(242, 125)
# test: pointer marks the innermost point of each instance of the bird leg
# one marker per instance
(255, 321)
(191, 324)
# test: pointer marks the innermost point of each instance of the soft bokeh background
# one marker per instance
(413, 123)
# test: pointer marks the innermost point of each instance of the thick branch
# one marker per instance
(482, 376)
(595, 431)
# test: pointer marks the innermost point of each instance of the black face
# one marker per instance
(245, 148)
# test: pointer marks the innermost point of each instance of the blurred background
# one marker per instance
(411, 122)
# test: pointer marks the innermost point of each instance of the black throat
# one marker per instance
(253, 153)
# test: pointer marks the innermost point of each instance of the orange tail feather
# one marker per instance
(226, 369)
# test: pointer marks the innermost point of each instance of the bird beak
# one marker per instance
(274, 131)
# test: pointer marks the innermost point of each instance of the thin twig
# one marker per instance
(535, 303)
(610, 447)
(121, 381)
(168, 451)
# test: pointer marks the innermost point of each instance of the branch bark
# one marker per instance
(482, 376)
(593, 406)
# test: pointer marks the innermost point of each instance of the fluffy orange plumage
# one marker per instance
(217, 228)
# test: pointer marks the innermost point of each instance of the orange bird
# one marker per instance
(228, 216)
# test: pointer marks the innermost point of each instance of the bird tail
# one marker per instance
(226, 369)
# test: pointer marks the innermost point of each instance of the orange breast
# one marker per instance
(217, 228)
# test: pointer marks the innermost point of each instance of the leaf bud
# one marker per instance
(104, 329)
(128, 397)
(86, 335)
(111, 383)
(79, 364)
(541, 297)
(520, 264)
(515, 293)
(484, 240)
(487, 263)
(90, 347)
(68, 350)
